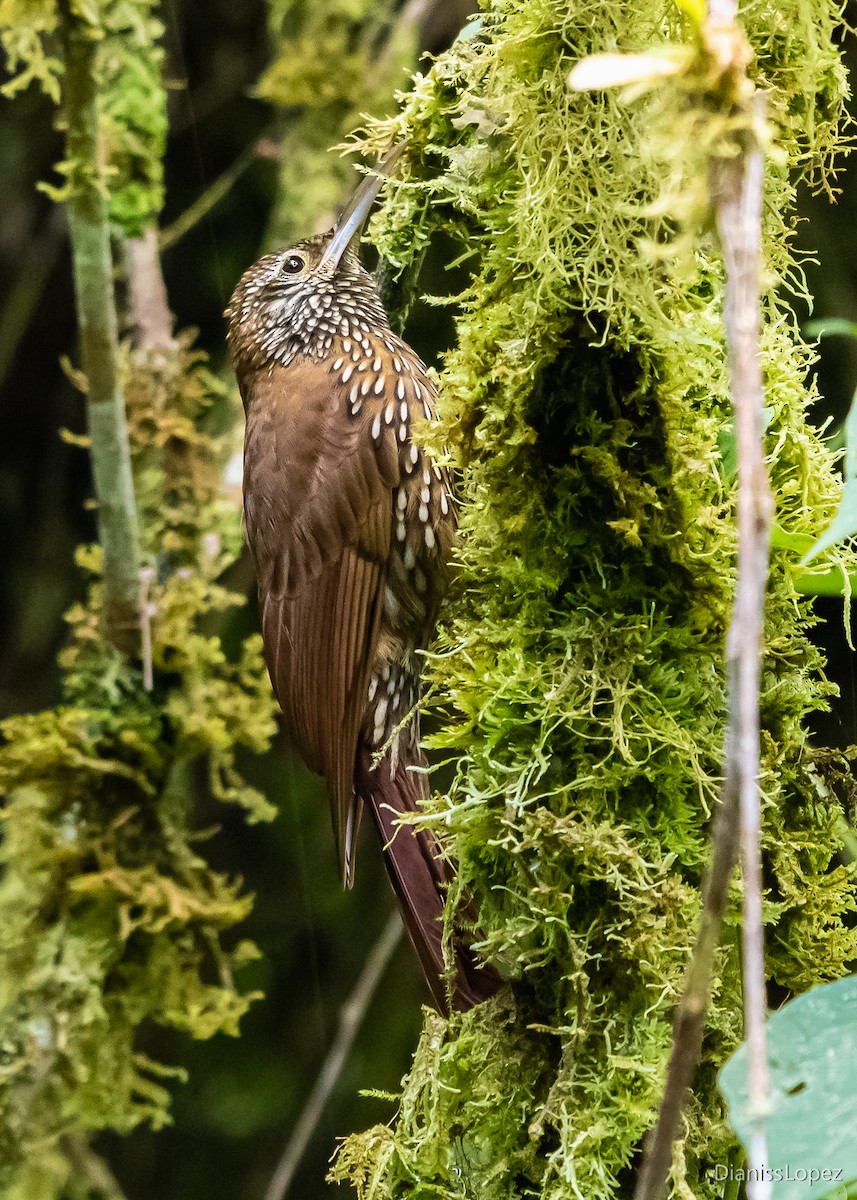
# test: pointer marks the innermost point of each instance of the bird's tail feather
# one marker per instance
(421, 877)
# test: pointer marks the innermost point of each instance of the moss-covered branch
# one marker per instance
(99, 338)
(582, 665)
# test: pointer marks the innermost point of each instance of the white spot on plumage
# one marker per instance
(402, 499)
(429, 536)
(409, 558)
(427, 411)
(403, 411)
(338, 363)
(424, 515)
(414, 455)
(401, 531)
(352, 395)
(397, 364)
(400, 388)
(373, 688)
(444, 503)
(366, 385)
(376, 427)
(425, 494)
(346, 345)
(418, 391)
(403, 433)
(347, 373)
(376, 364)
(380, 384)
(388, 413)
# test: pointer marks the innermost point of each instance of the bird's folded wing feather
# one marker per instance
(320, 528)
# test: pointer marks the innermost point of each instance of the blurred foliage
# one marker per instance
(134, 121)
(111, 917)
(580, 669)
(110, 914)
(336, 61)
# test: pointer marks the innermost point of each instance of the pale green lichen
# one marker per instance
(580, 666)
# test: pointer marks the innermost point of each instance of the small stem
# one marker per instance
(90, 1169)
(209, 199)
(99, 341)
(350, 1019)
(737, 187)
(739, 223)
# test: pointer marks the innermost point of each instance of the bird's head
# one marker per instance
(298, 300)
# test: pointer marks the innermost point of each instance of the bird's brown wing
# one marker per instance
(318, 506)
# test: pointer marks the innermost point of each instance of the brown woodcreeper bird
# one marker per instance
(351, 526)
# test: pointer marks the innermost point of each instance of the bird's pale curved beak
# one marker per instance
(358, 208)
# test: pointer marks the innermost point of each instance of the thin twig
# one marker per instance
(24, 296)
(211, 197)
(90, 1169)
(99, 340)
(350, 1019)
(737, 187)
(739, 223)
(689, 1019)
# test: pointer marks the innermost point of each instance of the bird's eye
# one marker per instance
(293, 264)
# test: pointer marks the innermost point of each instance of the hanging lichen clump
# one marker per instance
(581, 665)
(110, 916)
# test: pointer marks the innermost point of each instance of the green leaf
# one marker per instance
(844, 524)
(812, 1044)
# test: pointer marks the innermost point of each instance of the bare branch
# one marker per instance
(739, 222)
(737, 193)
(147, 294)
(350, 1020)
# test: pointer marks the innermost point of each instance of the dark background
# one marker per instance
(233, 1117)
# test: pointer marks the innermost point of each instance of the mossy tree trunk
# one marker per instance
(581, 663)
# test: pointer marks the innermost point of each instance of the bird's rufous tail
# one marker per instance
(421, 877)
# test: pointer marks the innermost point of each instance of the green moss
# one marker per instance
(580, 667)
(133, 101)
